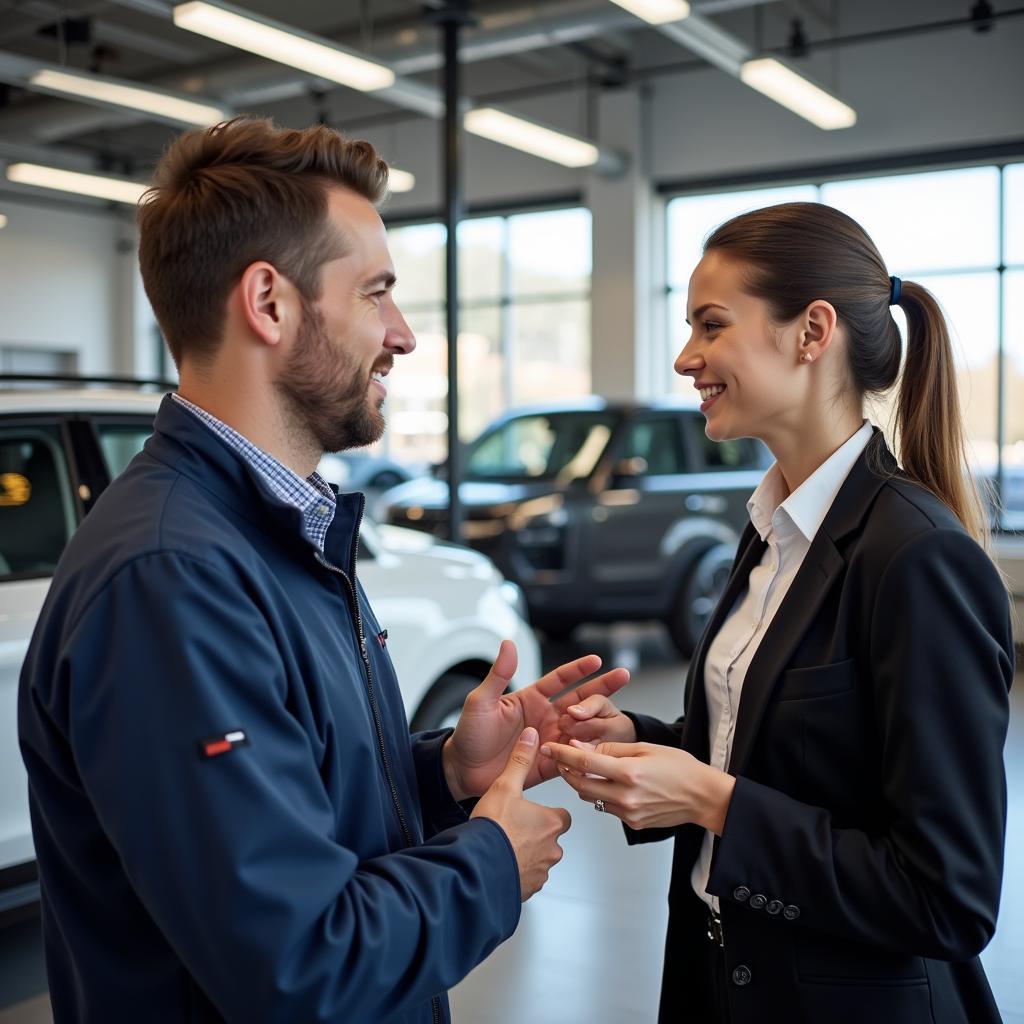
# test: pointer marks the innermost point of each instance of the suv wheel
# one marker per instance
(699, 594)
(441, 707)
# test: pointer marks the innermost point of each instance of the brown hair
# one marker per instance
(227, 196)
(799, 252)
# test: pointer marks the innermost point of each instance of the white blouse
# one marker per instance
(787, 525)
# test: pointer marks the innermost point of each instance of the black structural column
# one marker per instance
(451, 17)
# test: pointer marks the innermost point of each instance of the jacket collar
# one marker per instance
(180, 440)
(819, 570)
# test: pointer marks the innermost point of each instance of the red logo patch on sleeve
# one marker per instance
(214, 746)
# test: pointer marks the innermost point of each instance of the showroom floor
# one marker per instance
(589, 946)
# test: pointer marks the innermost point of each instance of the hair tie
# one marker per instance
(895, 287)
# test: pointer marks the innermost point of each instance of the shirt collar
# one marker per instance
(312, 496)
(769, 506)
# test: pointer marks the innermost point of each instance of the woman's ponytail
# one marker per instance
(929, 423)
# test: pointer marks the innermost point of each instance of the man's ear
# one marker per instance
(266, 299)
(817, 330)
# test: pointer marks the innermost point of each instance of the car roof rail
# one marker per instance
(77, 379)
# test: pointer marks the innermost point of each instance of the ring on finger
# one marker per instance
(599, 806)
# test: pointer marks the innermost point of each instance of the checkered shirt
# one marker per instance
(313, 496)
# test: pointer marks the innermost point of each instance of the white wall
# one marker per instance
(61, 282)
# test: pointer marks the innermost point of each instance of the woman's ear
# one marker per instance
(817, 330)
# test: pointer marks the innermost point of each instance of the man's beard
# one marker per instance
(326, 390)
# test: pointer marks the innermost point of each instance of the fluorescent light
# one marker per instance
(780, 83)
(278, 43)
(400, 181)
(120, 190)
(3, 220)
(531, 138)
(150, 101)
(105, 90)
(656, 12)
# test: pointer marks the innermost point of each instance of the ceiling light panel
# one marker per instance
(656, 12)
(96, 89)
(785, 86)
(279, 43)
(119, 190)
(400, 181)
(531, 138)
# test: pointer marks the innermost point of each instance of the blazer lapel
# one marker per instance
(695, 723)
(821, 567)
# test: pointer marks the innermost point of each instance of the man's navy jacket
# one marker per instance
(230, 818)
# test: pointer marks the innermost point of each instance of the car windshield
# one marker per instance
(562, 446)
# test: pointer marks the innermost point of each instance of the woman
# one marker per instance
(836, 787)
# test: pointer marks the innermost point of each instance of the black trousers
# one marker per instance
(717, 1002)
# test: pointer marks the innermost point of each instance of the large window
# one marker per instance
(524, 334)
(958, 232)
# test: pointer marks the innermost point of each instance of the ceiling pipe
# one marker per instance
(407, 46)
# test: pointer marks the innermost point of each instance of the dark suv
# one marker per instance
(601, 511)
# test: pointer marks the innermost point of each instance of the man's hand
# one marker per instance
(532, 829)
(492, 720)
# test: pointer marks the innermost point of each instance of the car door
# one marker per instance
(41, 503)
(641, 495)
(725, 473)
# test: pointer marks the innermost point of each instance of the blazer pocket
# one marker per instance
(831, 961)
(818, 681)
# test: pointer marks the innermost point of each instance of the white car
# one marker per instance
(446, 608)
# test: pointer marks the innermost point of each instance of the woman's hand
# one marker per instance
(645, 784)
(596, 720)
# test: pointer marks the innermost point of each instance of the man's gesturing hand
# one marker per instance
(492, 719)
(532, 829)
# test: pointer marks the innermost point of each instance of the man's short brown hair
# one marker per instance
(227, 196)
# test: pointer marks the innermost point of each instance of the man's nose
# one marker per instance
(398, 336)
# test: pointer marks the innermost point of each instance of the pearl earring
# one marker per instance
(805, 358)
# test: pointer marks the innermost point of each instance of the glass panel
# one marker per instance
(692, 218)
(36, 509)
(482, 370)
(550, 350)
(418, 389)
(943, 220)
(121, 443)
(1013, 214)
(679, 331)
(971, 304)
(1013, 448)
(418, 254)
(550, 252)
(480, 248)
(416, 412)
(541, 446)
(656, 445)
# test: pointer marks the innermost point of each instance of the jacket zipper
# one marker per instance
(435, 1003)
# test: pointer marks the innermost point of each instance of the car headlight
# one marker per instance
(513, 595)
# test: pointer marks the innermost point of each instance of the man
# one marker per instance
(231, 820)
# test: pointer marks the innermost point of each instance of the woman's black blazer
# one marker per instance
(860, 866)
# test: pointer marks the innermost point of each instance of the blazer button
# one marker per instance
(741, 975)
(741, 894)
(757, 901)
(774, 907)
(791, 913)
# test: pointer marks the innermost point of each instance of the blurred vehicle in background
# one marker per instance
(601, 511)
(361, 471)
(446, 608)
